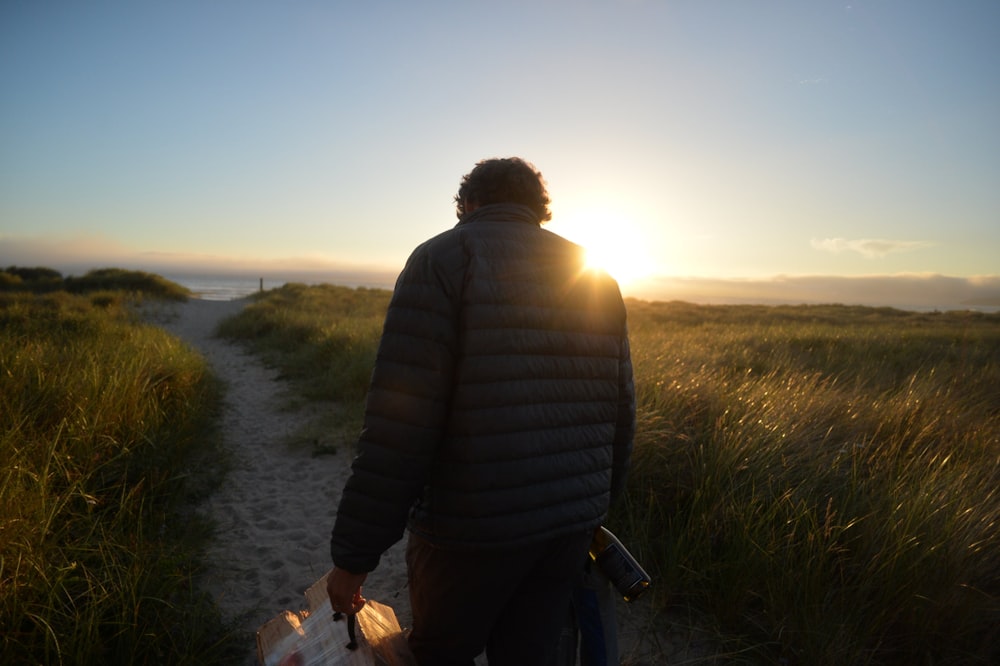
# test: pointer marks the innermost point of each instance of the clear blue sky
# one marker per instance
(708, 139)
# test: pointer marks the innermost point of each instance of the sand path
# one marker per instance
(275, 508)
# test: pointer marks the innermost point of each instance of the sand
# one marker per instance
(276, 506)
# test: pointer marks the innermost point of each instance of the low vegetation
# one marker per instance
(135, 285)
(106, 424)
(815, 484)
(323, 336)
(819, 483)
(822, 481)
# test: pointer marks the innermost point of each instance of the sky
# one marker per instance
(746, 150)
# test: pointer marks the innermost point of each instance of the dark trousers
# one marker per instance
(512, 602)
(594, 611)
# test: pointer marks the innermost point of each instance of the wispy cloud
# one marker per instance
(900, 290)
(74, 255)
(871, 248)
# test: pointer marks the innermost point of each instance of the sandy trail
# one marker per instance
(275, 508)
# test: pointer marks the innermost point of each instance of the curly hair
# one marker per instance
(504, 180)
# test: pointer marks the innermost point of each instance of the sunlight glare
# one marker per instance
(613, 242)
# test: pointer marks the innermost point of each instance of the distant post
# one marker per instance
(262, 284)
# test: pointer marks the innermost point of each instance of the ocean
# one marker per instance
(217, 287)
(221, 287)
(225, 287)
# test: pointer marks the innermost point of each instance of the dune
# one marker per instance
(276, 506)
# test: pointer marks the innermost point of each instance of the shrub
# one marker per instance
(133, 282)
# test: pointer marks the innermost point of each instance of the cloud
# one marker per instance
(870, 248)
(54, 252)
(906, 291)
(75, 255)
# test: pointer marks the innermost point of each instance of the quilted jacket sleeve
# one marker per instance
(626, 423)
(405, 412)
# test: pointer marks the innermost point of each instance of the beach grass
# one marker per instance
(323, 337)
(822, 481)
(814, 484)
(106, 441)
(818, 484)
(116, 282)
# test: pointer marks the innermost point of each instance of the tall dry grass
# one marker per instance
(103, 432)
(823, 481)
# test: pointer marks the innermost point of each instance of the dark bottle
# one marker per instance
(614, 560)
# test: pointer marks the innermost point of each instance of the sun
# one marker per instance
(625, 264)
(612, 241)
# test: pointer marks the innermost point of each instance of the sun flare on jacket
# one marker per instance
(613, 242)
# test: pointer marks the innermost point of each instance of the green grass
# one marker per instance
(324, 337)
(822, 481)
(818, 483)
(106, 433)
(112, 283)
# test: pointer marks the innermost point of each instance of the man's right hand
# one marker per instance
(344, 589)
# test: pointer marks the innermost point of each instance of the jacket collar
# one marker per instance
(500, 213)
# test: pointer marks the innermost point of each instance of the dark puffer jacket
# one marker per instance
(501, 409)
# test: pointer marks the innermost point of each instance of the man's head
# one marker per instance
(504, 180)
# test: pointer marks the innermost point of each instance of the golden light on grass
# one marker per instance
(854, 446)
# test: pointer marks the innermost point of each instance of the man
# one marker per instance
(498, 425)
